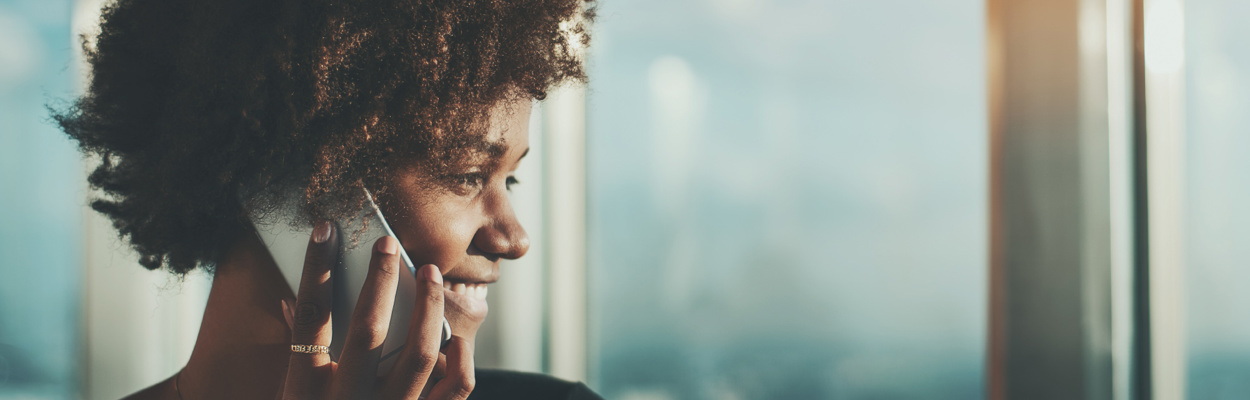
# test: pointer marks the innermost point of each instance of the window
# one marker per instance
(1217, 209)
(787, 200)
(40, 207)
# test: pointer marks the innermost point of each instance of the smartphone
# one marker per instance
(288, 243)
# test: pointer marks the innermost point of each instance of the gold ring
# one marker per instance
(309, 349)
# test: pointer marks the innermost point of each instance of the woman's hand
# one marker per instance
(355, 375)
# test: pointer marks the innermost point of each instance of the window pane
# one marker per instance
(41, 198)
(1218, 198)
(788, 199)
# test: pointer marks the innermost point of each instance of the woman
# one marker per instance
(199, 110)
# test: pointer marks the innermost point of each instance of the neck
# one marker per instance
(243, 344)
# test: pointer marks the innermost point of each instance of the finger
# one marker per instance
(307, 374)
(425, 328)
(358, 365)
(460, 379)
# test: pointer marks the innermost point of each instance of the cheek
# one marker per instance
(438, 235)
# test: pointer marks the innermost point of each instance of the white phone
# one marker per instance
(288, 244)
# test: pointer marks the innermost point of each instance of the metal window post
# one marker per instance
(564, 141)
(1060, 195)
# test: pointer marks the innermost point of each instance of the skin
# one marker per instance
(465, 230)
(456, 235)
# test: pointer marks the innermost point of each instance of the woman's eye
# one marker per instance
(511, 181)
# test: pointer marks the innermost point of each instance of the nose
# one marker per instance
(502, 235)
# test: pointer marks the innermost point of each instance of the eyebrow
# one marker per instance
(497, 150)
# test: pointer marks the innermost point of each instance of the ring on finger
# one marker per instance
(310, 349)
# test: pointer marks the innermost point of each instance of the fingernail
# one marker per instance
(288, 314)
(322, 232)
(432, 274)
(387, 245)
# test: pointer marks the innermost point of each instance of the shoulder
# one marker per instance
(498, 384)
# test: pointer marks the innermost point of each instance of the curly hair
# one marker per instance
(201, 110)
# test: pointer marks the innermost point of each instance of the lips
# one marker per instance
(469, 298)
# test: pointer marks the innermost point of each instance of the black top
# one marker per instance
(512, 385)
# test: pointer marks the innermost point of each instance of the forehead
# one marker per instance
(509, 126)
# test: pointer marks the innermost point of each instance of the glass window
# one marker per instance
(1217, 66)
(787, 199)
(40, 205)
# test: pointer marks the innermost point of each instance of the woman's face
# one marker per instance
(467, 229)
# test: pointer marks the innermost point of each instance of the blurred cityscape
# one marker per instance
(787, 200)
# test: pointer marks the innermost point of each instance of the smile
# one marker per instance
(475, 291)
(468, 300)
